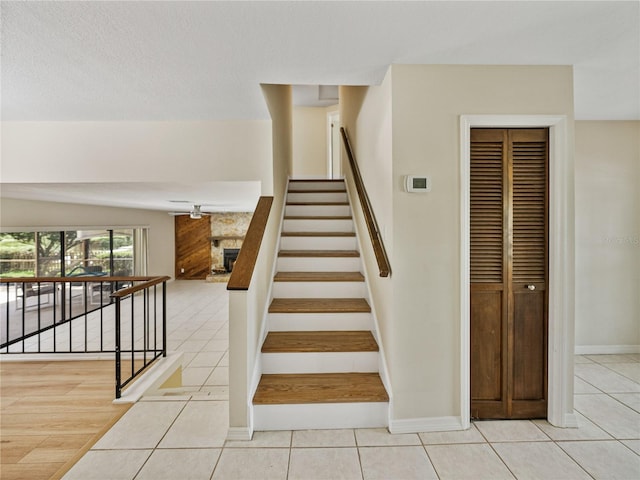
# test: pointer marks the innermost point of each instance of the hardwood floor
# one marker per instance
(51, 413)
(318, 277)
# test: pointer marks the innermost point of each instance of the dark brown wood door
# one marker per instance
(193, 247)
(509, 272)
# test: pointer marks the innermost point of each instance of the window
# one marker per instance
(73, 252)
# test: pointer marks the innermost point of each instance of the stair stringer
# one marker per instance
(264, 329)
(383, 370)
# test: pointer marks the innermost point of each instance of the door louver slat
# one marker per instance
(486, 227)
(529, 200)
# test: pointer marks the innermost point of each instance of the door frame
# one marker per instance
(561, 286)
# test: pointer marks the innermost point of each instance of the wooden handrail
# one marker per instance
(246, 261)
(80, 279)
(369, 217)
(135, 288)
(147, 281)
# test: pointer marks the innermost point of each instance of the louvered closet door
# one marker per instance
(509, 273)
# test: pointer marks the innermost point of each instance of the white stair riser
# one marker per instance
(319, 290)
(318, 264)
(319, 416)
(320, 362)
(318, 225)
(319, 185)
(317, 197)
(287, 322)
(318, 243)
(317, 210)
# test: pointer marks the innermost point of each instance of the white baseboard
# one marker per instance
(606, 349)
(570, 420)
(239, 433)
(426, 424)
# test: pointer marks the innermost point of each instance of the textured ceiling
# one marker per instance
(160, 60)
(199, 60)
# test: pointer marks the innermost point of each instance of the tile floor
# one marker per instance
(182, 434)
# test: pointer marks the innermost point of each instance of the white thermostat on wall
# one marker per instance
(417, 183)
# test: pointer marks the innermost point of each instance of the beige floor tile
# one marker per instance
(216, 392)
(510, 431)
(607, 413)
(605, 379)
(324, 464)
(620, 461)
(470, 461)
(629, 370)
(108, 465)
(143, 426)
(539, 460)
(582, 359)
(324, 438)
(206, 359)
(195, 376)
(192, 345)
(471, 435)
(406, 463)
(280, 439)
(185, 464)
(631, 400)
(252, 464)
(379, 437)
(633, 445)
(580, 387)
(587, 430)
(199, 425)
(623, 358)
(219, 376)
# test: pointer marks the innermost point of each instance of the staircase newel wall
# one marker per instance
(248, 307)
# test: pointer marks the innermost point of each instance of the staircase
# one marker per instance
(320, 358)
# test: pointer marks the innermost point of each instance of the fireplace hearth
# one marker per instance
(230, 255)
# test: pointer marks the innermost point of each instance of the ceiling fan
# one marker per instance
(195, 213)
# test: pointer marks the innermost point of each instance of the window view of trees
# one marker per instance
(68, 253)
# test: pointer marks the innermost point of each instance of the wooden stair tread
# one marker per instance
(317, 203)
(320, 341)
(318, 277)
(318, 217)
(275, 389)
(317, 191)
(319, 305)
(318, 234)
(318, 253)
(316, 180)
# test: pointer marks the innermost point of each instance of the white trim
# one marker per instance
(607, 349)
(561, 261)
(239, 433)
(427, 424)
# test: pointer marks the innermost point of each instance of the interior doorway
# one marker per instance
(561, 287)
(334, 163)
(509, 272)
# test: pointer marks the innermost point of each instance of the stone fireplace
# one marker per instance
(227, 232)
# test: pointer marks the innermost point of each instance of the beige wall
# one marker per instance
(607, 237)
(422, 339)
(309, 142)
(137, 151)
(15, 214)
